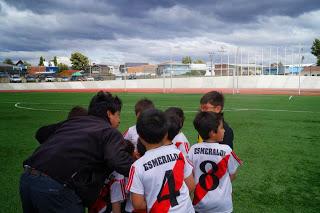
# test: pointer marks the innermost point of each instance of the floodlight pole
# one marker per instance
(211, 59)
(221, 52)
(301, 58)
(125, 78)
(262, 61)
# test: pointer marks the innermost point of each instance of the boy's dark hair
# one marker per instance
(142, 105)
(177, 111)
(214, 97)
(152, 126)
(103, 102)
(77, 111)
(129, 147)
(175, 119)
(205, 122)
(141, 148)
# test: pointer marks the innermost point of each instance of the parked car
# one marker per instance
(77, 78)
(132, 77)
(15, 79)
(30, 79)
(99, 78)
(89, 78)
(64, 79)
(50, 79)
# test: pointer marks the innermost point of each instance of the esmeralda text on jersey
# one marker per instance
(160, 160)
(209, 151)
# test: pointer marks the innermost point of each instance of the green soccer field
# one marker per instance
(278, 139)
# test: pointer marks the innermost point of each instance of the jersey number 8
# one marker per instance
(205, 178)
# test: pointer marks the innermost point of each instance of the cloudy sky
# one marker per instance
(117, 31)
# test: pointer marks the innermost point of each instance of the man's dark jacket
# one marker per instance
(81, 153)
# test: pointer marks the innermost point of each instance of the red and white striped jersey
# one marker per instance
(117, 187)
(213, 163)
(132, 135)
(181, 143)
(159, 176)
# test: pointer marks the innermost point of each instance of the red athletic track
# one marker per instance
(306, 92)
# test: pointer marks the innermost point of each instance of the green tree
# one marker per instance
(62, 67)
(41, 60)
(79, 61)
(186, 60)
(55, 61)
(8, 61)
(199, 61)
(315, 50)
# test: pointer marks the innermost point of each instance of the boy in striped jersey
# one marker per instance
(131, 134)
(176, 116)
(214, 165)
(157, 179)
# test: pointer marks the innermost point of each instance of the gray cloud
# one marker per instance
(152, 30)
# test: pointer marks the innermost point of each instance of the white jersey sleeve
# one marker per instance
(182, 143)
(135, 184)
(234, 163)
(117, 188)
(187, 168)
(132, 135)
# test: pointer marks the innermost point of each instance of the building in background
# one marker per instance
(100, 69)
(311, 71)
(173, 68)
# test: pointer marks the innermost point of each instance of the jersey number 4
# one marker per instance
(208, 181)
(173, 194)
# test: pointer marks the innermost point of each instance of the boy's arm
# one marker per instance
(138, 201)
(233, 176)
(190, 183)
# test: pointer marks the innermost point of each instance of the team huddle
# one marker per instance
(162, 179)
(167, 175)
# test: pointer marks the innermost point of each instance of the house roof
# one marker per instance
(130, 64)
(19, 62)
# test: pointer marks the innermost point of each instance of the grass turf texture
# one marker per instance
(281, 171)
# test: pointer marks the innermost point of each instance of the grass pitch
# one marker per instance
(278, 139)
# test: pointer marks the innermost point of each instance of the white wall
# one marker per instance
(250, 82)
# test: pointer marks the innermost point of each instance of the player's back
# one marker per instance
(213, 163)
(159, 176)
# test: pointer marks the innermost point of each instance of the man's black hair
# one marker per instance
(205, 122)
(103, 102)
(175, 119)
(152, 126)
(129, 147)
(141, 148)
(142, 105)
(77, 111)
(214, 97)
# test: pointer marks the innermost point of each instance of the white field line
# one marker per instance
(18, 105)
